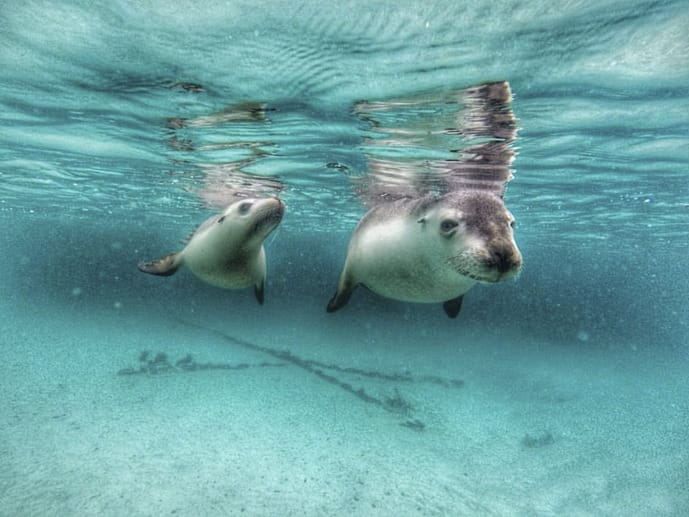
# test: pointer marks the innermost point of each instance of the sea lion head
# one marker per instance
(477, 233)
(253, 218)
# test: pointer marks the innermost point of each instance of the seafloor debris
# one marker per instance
(415, 424)
(161, 364)
(539, 440)
(396, 404)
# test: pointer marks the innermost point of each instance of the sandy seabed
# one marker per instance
(447, 423)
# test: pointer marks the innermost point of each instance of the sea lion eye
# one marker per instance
(511, 224)
(448, 225)
(221, 219)
(244, 208)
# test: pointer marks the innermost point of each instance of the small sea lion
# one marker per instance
(227, 250)
(431, 249)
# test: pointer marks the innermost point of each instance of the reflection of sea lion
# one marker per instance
(431, 249)
(240, 112)
(227, 250)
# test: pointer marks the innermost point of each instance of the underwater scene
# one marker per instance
(331, 259)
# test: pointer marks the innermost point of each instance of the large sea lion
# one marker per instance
(227, 250)
(431, 249)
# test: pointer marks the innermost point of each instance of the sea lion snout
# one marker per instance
(275, 203)
(268, 213)
(280, 209)
(505, 260)
(276, 209)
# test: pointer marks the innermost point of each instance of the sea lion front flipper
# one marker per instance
(164, 266)
(342, 296)
(453, 306)
(259, 289)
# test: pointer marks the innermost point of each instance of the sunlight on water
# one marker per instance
(155, 111)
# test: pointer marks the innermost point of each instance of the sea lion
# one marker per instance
(227, 250)
(431, 249)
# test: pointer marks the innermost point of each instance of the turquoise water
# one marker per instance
(125, 126)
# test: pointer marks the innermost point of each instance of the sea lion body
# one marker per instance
(227, 249)
(430, 249)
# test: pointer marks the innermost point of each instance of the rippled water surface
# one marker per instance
(125, 125)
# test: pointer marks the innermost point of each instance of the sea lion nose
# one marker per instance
(504, 260)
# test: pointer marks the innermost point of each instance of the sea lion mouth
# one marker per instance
(482, 270)
(465, 265)
(479, 277)
(490, 276)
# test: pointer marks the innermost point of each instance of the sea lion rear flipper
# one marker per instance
(342, 296)
(453, 306)
(258, 289)
(164, 266)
